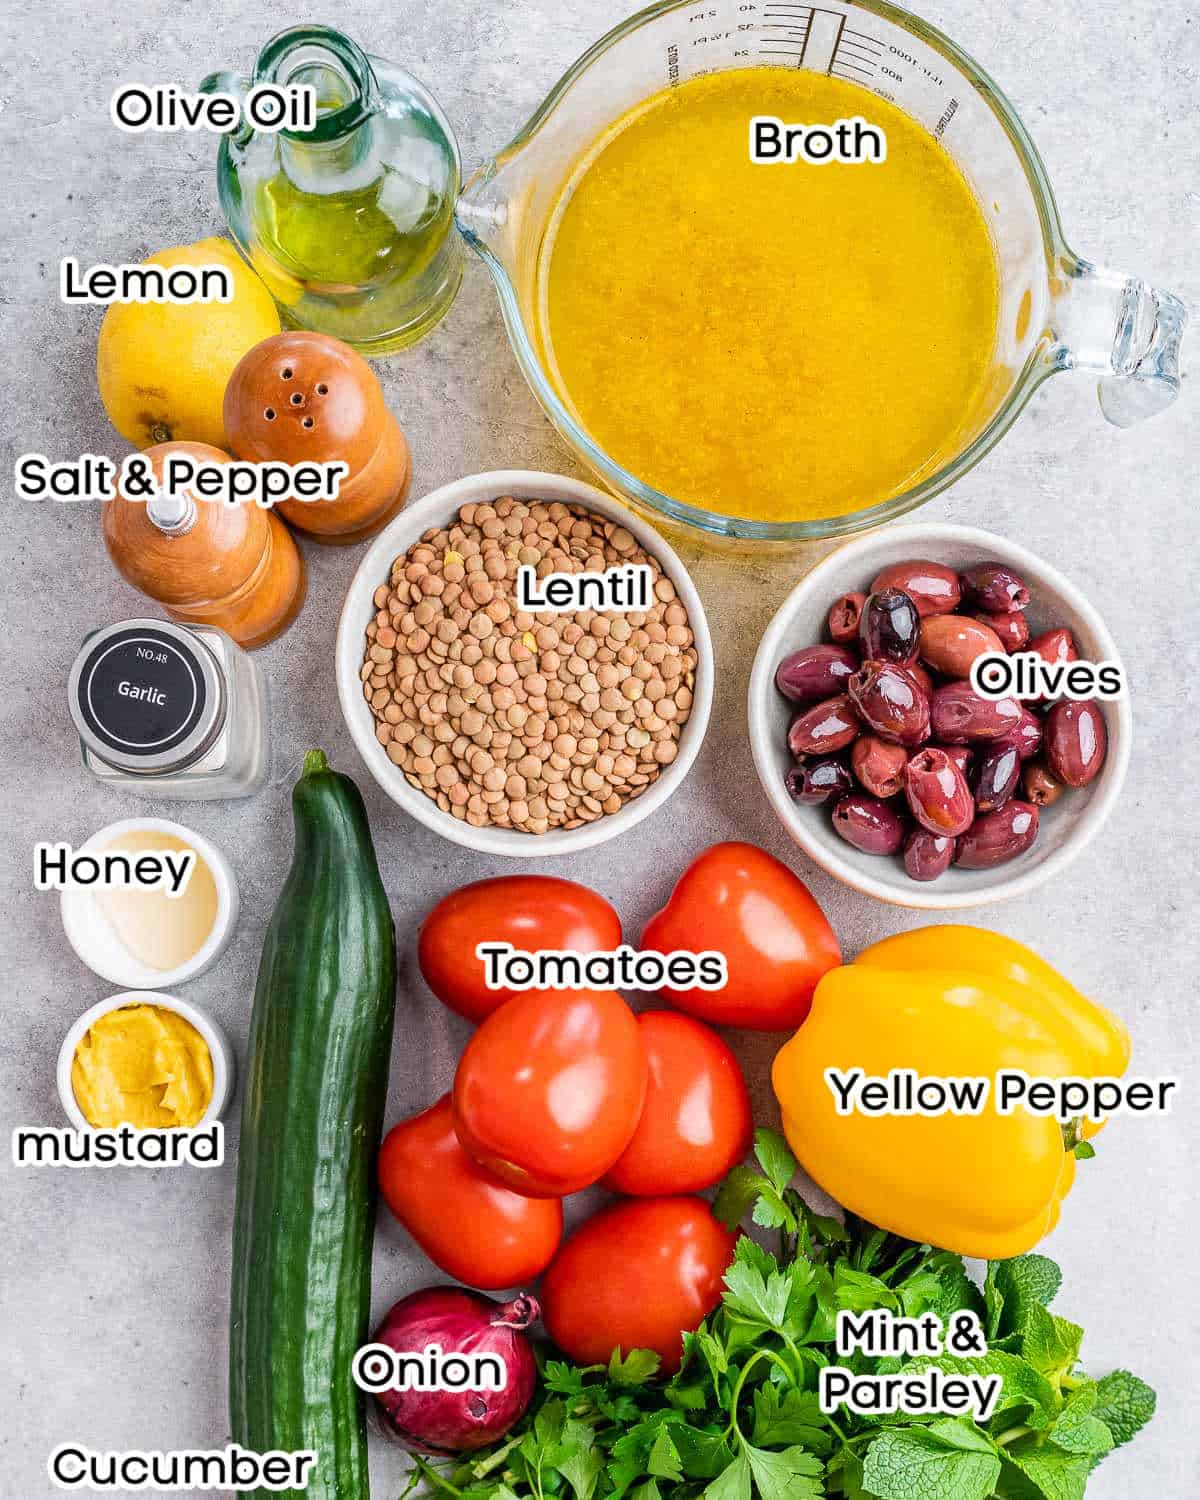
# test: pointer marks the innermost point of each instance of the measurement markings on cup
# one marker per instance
(858, 54)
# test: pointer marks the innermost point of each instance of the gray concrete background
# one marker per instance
(114, 1283)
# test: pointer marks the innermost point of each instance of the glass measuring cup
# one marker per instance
(1057, 312)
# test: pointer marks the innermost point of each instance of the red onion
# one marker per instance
(462, 1323)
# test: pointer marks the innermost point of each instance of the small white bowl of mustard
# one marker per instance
(145, 1059)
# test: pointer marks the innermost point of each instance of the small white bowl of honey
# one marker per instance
(143, 938)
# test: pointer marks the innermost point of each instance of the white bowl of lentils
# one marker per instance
(513, 733)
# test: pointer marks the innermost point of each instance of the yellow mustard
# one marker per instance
(145, 1066)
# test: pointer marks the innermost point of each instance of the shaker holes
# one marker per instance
(269, 414)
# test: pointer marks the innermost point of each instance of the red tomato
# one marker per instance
(468, 1224)
(528, 911)
(549, 1090)
(636, 1276)
(696, 1119)
(745, 904)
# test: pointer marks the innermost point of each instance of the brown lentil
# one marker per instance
(515, 720)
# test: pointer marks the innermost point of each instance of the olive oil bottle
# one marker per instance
(350, 223)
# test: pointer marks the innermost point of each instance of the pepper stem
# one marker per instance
(314, 761)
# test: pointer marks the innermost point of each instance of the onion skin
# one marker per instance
(459, 1322)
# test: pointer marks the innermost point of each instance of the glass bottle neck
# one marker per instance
(342, 152)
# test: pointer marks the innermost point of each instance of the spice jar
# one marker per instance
(168, 710)
(233, 566)
(305, 397)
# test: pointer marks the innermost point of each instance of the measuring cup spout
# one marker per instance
(1122, 330)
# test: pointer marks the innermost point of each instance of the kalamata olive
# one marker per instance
(1013, 630)
(844, 615)
(1041, 785)
(932, 587)
(818, 780)
(999, 772)
(879, 765)
(927, 855)
(951, 643)
(868, 824)
(1026, 734)
(815, 672)
(937, 792)
(891, 702)
(994, 587)
(824, 728)
(958, 714)
(962, 756)
(889, 627)
(1076, 741)
(1055, 646)
(996, 837)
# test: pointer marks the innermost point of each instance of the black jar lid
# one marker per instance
(147, 696)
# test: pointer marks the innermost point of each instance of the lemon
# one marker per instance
(162, 367)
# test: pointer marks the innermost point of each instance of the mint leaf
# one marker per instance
(1055, 1475)
(939, 1284)
(1078, 1429)
(790, 1475)
(732, 1483)
(1124, 1404)
(788, 1417)
(1024, 1388)
(947, 1461)
(775, 1158)
(635, 1369)
(1050, 1344)
(737, 1195)
(1015, 1287)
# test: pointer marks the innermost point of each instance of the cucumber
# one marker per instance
(316, 1076)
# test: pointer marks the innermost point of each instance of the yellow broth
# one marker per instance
(775, 342)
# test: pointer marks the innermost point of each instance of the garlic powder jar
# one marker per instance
(170, 710)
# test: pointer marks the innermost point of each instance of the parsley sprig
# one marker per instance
(741, 1419)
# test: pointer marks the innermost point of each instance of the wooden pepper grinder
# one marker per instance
(208, 563)
(307, 397)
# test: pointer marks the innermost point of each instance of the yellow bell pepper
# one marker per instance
(947, 1002)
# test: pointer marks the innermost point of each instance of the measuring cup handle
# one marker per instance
(1123, 330)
